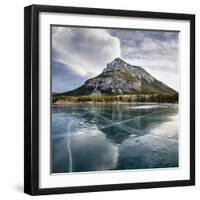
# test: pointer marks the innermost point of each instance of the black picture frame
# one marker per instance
(31, 98)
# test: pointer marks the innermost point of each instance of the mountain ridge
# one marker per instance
(121, 78)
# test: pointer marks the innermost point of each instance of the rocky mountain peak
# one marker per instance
(118, 60)
(116, 65)
(135, 71)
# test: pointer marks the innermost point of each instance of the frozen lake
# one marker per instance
(102, 136)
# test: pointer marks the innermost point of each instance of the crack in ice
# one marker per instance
(119, 124)
(69, 147)
(70, 167)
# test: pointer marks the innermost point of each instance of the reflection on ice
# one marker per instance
(114, 137)
(157, 149)
(90, 151)
(93, 152)
(169, 129)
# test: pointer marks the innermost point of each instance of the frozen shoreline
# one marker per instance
(63, 103)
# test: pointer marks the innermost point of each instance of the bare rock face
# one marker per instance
(113, 84)
(120, 78)
(135, 71)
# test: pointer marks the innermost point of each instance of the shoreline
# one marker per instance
(93, 102)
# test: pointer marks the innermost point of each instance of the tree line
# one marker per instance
(159, 98)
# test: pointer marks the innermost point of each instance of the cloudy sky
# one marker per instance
(81, 53)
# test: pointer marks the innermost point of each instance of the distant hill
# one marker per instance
(121, 78)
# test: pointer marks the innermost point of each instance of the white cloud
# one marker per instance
(86, 51)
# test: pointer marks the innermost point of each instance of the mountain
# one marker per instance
(121, 78)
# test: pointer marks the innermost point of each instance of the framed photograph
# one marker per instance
(109, 100)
